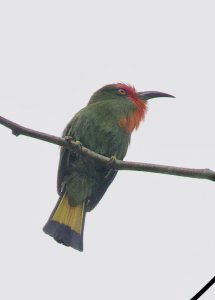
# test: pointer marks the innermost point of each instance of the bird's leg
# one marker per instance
(78, 145)
(110, 163)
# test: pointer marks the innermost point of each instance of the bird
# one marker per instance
(105, 126)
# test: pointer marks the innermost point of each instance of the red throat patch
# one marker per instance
(133, 121)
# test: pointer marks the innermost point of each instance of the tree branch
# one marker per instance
(116, 164)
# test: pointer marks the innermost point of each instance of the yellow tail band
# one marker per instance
(72, 216)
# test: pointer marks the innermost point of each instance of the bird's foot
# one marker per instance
(112, 161)
(77, 147)
(110, 164)
(76, 144)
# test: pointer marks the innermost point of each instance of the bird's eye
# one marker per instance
(121, 92)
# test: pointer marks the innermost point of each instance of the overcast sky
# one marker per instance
(151, 236)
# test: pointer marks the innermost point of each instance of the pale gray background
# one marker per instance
(152, 236)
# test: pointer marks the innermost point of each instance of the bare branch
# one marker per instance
(116, 164)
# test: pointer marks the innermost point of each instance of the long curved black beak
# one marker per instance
(152, 94)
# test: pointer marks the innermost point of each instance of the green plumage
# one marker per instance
(104, 126)
(81, 181)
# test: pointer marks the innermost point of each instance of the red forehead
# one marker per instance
(129, 89)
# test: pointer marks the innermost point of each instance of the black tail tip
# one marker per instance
(63, 234)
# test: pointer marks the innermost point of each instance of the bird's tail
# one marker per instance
(66, 223)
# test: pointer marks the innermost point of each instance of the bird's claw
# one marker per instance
(78, 144)
(110, 163)
(112, 160)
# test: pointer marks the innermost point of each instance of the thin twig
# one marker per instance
(204, 289)
(116, 164)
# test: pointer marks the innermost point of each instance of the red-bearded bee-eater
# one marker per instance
(104, 126)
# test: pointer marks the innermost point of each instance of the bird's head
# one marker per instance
(124, 91)
(133, 104)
